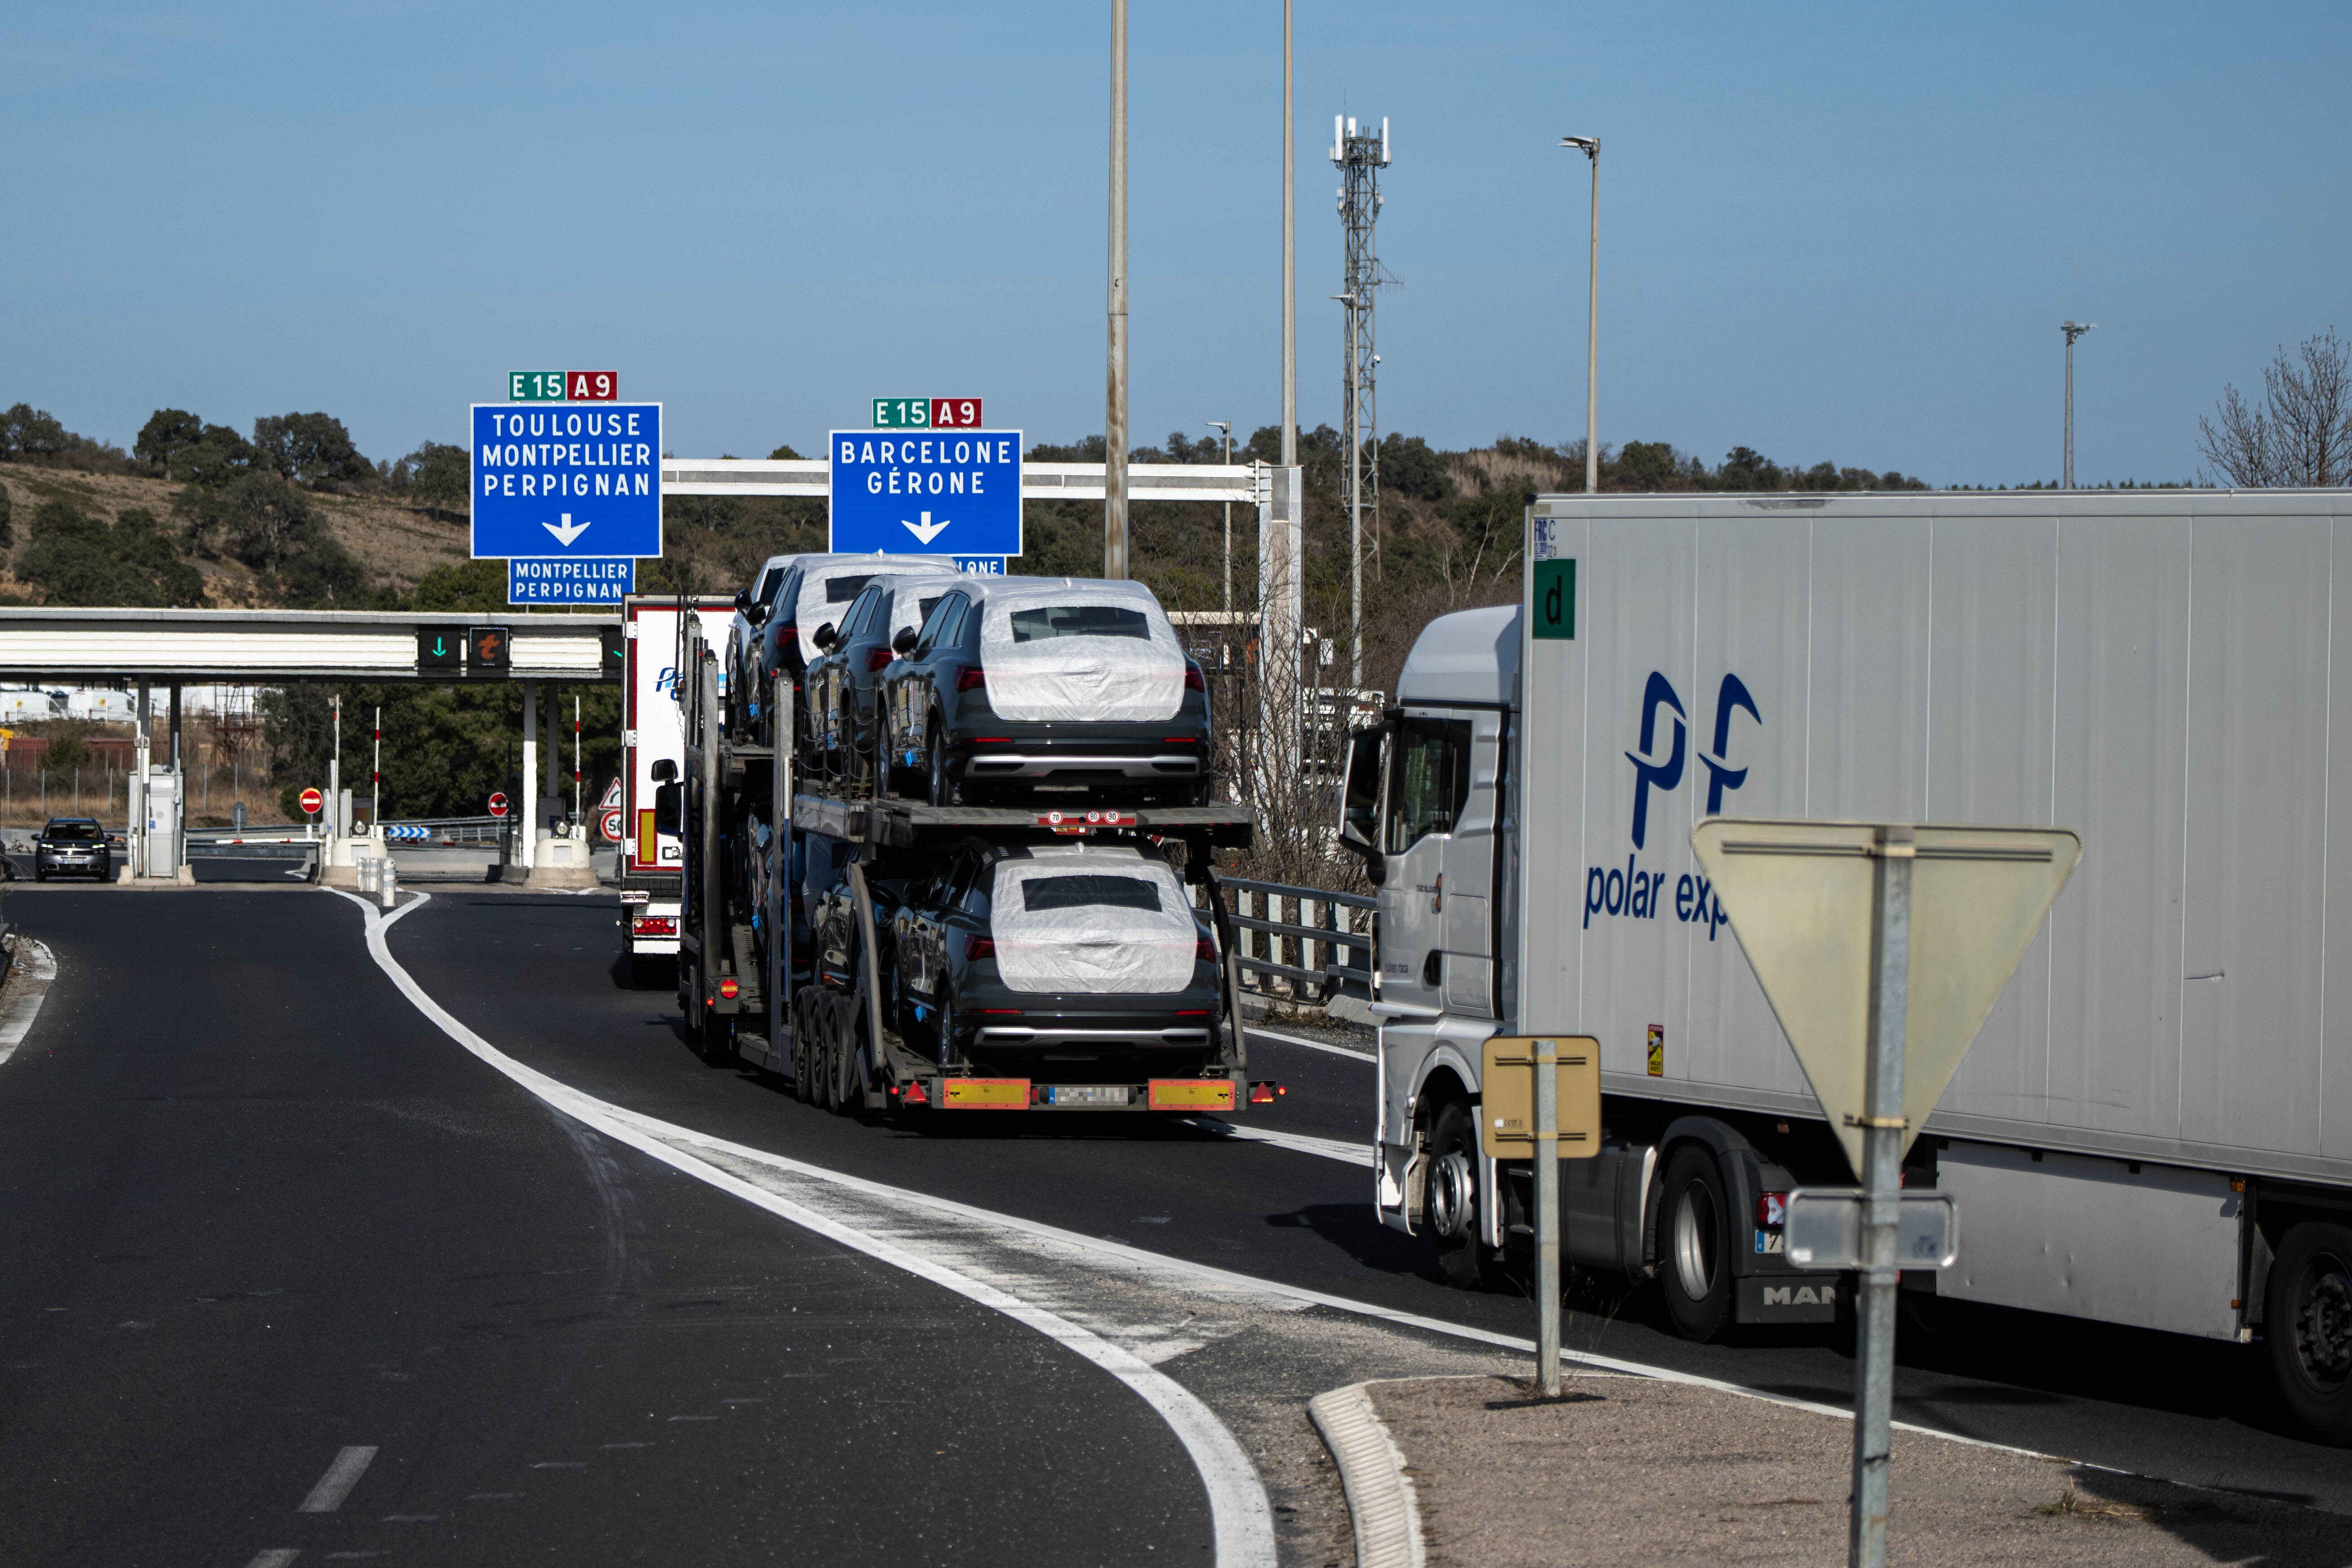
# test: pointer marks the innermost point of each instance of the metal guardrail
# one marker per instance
(448, 830)
(1338, 923)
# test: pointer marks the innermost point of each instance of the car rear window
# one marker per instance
(78, 832)
(841, 590)
(1089, 890)
(1048, 621)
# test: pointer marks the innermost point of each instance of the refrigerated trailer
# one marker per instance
(651, 852)
(2154, 1125)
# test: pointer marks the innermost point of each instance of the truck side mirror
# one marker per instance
(1359, 800)
(664, 769)
(904, 643)
(669, 807)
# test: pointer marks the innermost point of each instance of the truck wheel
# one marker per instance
(1452, 1201)
(1695, 1245)
(2307, 1319)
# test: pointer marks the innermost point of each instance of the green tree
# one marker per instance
(166, 432)
(219, 456)
(310, 449)
(81, 560)
(260, 520)
(30, 435)
(1409, 468)
(440, 476)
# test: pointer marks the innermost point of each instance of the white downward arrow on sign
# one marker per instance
(569, 530)
(925, 530)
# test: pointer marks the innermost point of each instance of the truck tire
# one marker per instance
(804, 1047)
(2307, 1324)
(1695, 1245)
(1452, 1200)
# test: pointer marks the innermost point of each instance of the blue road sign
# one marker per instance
(570, 480)
(986, 565)
(540, 580)
(926, 492)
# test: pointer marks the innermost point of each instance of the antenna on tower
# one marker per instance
(1362, 154)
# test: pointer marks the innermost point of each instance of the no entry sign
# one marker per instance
(313, 802)
(497, 805)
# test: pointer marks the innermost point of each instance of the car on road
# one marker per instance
(811, 590)
(72, 846)
(1060, 689)
(1059, 962)
(841, 684)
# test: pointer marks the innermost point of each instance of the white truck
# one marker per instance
(2154, 1127)
(652, 733)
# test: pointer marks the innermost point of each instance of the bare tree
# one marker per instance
(2301, 433)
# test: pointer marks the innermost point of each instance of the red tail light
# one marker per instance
(980, 947)
(653, 925)
(878, 658)
(1204, 952)
(971, 679)
(1192, 1012)
(1193, 682)
(1180, 740)
(1000, 1012)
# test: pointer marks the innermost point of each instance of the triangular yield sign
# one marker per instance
(1799, 895)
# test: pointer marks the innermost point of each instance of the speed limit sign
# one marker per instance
(610, 826)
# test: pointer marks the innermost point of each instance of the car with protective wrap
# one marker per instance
(840, 685)
(810, 591)
(1057, 690)
(1057, 962)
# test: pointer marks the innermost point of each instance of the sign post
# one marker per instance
(1540, 1095)
(1881, 948)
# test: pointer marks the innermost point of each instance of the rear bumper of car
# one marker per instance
(990, 763)
(1048, 1035)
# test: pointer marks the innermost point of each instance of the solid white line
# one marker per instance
(1205, 1272)
(337, 1483)
(1241, 1519)
(28, 987)
(1347, 1051)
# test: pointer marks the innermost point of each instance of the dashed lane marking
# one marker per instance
(337, 1483)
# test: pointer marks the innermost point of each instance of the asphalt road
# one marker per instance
(538, 977)
(287, 1271)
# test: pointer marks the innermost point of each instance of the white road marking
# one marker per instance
(1298, 1142)
(275, 1557)
(1347, 1051)
(28, 988)
(1241, 1519)
(1132, 1260)
(337, 1483)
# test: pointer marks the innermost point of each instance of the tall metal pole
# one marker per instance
(1289, 258)
(1355, 511)
(1224, 427)
(1882, 1180)
(1115, 414)
(2073, 329)
(1547, 1217)
(1591, 147)
(375, 775)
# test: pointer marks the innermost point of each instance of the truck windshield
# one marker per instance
(1431, 780)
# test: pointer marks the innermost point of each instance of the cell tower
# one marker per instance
(1361, 156)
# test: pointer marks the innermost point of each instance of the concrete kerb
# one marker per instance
(1382, 1504)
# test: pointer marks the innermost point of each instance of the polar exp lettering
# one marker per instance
(1630, 892)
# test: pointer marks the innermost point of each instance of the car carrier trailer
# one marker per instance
(762, 849)
(2153, 1126)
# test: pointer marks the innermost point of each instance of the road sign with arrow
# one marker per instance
(567, 480)
(440, 649)
(926, 492)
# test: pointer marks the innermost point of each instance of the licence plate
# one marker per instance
(984, 1093)
(1086, 1094)
(1191, 1094)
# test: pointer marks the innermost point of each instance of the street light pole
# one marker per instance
(1289, 260)
(1591, 147)
(2073, 329)
(1115, 414)
(1224, 427)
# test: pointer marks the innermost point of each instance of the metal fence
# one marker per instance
(1322, 951)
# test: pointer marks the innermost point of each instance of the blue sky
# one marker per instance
(1838, 231)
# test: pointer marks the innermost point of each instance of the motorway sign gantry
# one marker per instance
(1800, 898)
(568, 482)
(935, 493)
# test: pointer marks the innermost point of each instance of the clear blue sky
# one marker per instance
(1844, 231)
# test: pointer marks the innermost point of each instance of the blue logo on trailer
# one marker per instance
(569, 480)
(926, 492)
(1631, 891)
(558, 582)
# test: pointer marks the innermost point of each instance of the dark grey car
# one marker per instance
(72, 846)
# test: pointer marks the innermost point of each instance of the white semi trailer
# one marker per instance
(2154, 1125)
(651, 851)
